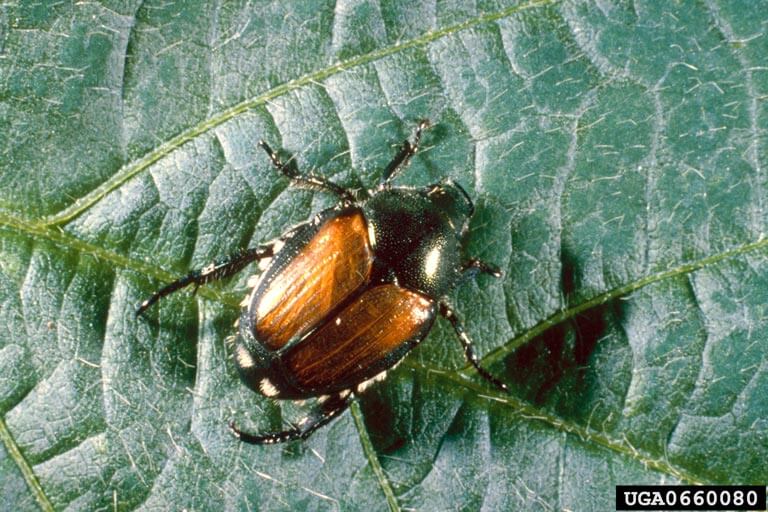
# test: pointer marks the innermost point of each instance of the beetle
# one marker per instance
(346, 295)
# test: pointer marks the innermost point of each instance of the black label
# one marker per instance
(690, 497)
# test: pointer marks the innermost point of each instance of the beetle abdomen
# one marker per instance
(335, 262)
(368, 336)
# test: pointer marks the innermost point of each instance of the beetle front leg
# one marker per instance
(306, 180)
(447, 312)
(407, 150)
(324, 412)
(213, 272)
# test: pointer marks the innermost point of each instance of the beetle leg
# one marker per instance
(407, 150)
(474, 266)
(447, 312)
(322, 414)
(215, 271)
(307, 181)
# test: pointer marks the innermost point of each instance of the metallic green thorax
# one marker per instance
(416, 234)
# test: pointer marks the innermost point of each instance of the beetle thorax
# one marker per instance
(416, 242)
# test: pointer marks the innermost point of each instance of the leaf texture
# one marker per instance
(617, 155)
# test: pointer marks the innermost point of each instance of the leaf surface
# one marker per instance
(617, 157)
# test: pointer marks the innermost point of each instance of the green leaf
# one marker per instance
(617, 156)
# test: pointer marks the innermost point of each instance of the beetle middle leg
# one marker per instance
(217, 270)
(446, 311)
(323, 412)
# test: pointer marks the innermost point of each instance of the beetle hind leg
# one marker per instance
(447, 312)
(324, 412)
(213, 272)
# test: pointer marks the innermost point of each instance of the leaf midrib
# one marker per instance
(620, 291)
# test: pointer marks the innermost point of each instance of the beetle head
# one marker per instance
(452, 200)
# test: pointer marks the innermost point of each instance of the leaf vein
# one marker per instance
(373, 460)
(133, 168)
(26, 470)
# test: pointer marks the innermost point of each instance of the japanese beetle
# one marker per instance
(347, 294)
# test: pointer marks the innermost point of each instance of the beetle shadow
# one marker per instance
(555, 370)
(407, 418)
(381, 420)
